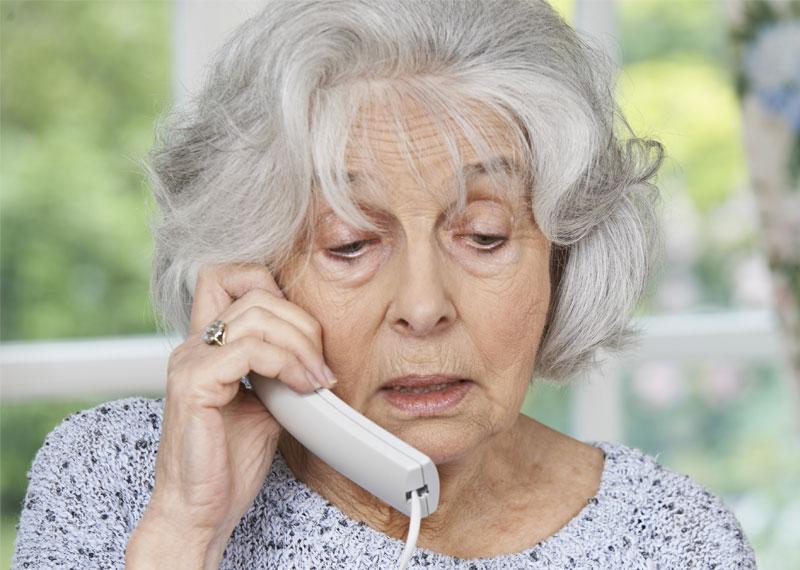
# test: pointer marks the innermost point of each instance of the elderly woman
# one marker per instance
(429, 201)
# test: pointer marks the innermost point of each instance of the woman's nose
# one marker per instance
(422, 302)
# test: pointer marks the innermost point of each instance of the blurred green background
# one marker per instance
(82, 83)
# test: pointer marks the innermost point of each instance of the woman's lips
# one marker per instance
(428, 403)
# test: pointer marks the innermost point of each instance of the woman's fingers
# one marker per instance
(267, 360)
(218, 285)
(280, 307)
(247, 299)
(262, 323)
(223, 366)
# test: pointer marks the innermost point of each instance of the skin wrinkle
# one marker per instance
(421, 301)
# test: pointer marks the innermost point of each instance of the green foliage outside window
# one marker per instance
(82, 84)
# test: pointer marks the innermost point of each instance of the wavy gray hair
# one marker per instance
(235, 169)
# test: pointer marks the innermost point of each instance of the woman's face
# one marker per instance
(426, 295)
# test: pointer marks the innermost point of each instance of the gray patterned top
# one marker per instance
(90, 483)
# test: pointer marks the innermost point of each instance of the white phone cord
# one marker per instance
(413, 532)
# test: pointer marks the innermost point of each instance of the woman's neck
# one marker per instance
(493, 469)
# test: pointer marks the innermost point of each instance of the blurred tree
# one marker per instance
(676, 85)
(690, 105)
(661, 29)
(82, 85)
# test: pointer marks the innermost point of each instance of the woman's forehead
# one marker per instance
(380, 136)
(401, 148)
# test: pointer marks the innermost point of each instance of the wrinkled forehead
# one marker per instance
(393, 148)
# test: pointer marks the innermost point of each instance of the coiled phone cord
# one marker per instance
(413, 531)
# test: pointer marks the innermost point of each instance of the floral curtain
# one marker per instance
(766, 40)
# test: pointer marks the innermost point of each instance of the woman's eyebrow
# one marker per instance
(507, 166)
(503, 163)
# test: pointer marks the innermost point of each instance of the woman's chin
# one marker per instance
(441, 448)
(443, 440)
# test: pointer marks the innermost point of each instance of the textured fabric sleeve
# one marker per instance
(76, 513)
(697, 528)
(720, 541)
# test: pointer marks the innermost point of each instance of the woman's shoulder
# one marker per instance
(132, 420)
(88, 485)
(129, 410)
(112, 443)
(672, 516)
(121, 436)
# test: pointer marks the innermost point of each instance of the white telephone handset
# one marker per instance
(356, 447)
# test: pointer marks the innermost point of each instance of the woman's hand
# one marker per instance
(217, 438)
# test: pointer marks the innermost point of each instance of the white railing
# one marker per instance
(737, 337)
(83, 367)
(116, 367)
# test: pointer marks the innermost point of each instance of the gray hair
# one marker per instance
(235, 170)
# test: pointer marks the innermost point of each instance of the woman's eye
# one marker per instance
(350, 251)
(486, 240)
(345, 252)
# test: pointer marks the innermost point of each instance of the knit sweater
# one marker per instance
(90, 483)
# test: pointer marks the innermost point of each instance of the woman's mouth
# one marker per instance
(427, 400)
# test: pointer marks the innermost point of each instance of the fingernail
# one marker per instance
(321, 378)
(329, 375)
(312, 380)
